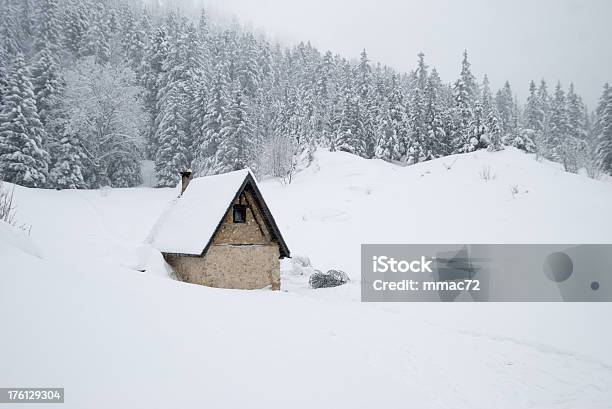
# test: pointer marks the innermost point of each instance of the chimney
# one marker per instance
(185, 179)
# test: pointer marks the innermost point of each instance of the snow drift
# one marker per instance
(82, 317)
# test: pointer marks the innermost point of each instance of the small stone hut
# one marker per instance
(220, 233)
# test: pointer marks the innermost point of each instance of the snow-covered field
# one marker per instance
(77, 314)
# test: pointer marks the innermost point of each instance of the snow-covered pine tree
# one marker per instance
(349, 134)
(3, 74)
(152, 71)
(27, 19)
(248, 71)
(96, 41)
(486, 97)
(202, 83)
(418, 113)
(133, 37)
(559, 143)
(365, 94)
(235, 149)
(76, 23)
(533, 115)
(326, 89)
(22, 157)
(604, 130)
(182, 72)
(581, 148)
(171, 157)
(337, 99)
(505, 108)
(46, 76)
(10, 31)
(67, 171)
(204, 28)
(392, 125)
(465, 96)
(478, 128)
(494, 133)
(437, 117)
(124, 169)
(386, 135)
(577, 116)
(207, 143)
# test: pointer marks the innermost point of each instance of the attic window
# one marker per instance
(239, 213)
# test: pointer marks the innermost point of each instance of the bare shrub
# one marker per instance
(449, 167)
(514, 190)
(593, 170)
(7, 209)
(486, 173)
(277, 158)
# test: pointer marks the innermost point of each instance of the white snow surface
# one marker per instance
(188, 224)
(78, 314)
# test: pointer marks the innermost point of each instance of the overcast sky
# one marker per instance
(515, 40)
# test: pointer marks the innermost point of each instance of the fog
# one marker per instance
(520, 40)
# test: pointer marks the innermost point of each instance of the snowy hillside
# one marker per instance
(77, 314)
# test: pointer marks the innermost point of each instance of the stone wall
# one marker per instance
(254, 231)
(244, 267)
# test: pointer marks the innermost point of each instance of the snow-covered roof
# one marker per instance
(189, 222)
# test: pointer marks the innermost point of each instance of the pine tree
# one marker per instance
(46, 76)
(134, 37)
(392, 125)
(180, 70)
(533, 113)
(478, 128)
(577, 117)
(495, 134)
(152, 71)
(248, 71)
(464, 93)
(171, 156)
(96, 41)
(349, 134)
(558, 139)
(604, 130)
(10, 32)
(124, 169)
(437, 122)
(67, 171)
(505, 109)
(235, 148)
(326, 89)
(76, 23)
(544, 103)
(486, 98)
(3, 74)
(27, 19)
(207, 143)
(365, 109)
(22, 157)
(418, 113)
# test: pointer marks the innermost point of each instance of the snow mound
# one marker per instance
(14, 237)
